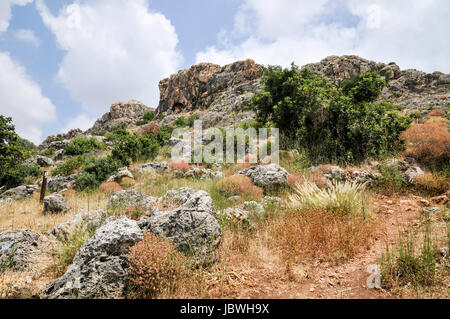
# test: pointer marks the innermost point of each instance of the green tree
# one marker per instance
(326, 121)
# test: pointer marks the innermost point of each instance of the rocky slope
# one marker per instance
(218, 95)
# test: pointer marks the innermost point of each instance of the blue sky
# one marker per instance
(64, 62)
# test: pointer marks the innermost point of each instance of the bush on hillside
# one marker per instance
(155, 267)
(147, 118)
(70, 166)
(82, 145)
(95, 172)
(429, 144)
(327, 122)
(17, 175)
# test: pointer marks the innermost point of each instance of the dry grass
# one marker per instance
(27, 214)
(241, 186)
(180, 166)
(110, 187)
(432, 184)
(310, 234)
(429, 143)
(156, 268)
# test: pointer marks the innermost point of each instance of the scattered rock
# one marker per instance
(81, 222)
(272, 201)
(59, 183)
(21, 249)
(122, 172)
(43, 161)
(55, 204)
(408, 167)
(189, 198)
(131, 198)
(192, 227)
(158, 166)
(58, 156)
(127, 113)
(266, 175)
(20, 192)
(100, 267)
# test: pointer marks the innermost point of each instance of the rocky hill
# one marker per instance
(219, 94)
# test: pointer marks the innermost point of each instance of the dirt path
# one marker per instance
(349, 280)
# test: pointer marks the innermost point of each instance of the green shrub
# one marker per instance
(82, 145)
(17, 175)
(69, 166)
(95, 172)
(49, 152)
(329, 123)
(181, 122)
(85, 181)
(148, 117)
(191, 119)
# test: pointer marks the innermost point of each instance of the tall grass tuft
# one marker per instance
(342, 198)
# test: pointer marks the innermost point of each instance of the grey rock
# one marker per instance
(81, 222)
(131, 198)
(272, 201)
(127, 113)
(158, 166)
(191, 226)
(189, 198)
(122, 172)
(100, 267)
(55, 204)
(59, 183)
(20, 192)
(266, 175)
(43, 161)
(194, 233)
(408, 167)
(254, 208)
(20, 249)
(58, 156)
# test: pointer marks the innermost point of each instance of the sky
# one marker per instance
(64, 62)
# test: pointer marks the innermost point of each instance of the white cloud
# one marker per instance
(22, 99)
(116, 50)
(27, 36)
(412, 33)
(81, 121)
(5, 11)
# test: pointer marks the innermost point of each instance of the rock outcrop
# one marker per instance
(266, 175)
(55, 204)
(59, 141)
(192, 227)
(131, 198)
(21, 249)
(410, 88)
(19, 192)
(81, 222)
(100, 267)
(120, 113)
(221, 90)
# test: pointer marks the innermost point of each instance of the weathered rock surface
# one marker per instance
(81, 222)
(203, 173)
(20, 192)
(55, 204)
(131, 198)
(190, 199)
(59, 141)
(43, 161)
(58, 183)
(221, 90)
(266, 175)
(192, 227)
(122, 172)
(157, 166)
(409, 88)
(100, 267)
(21, 249)
(408, 167)
(120, 113)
